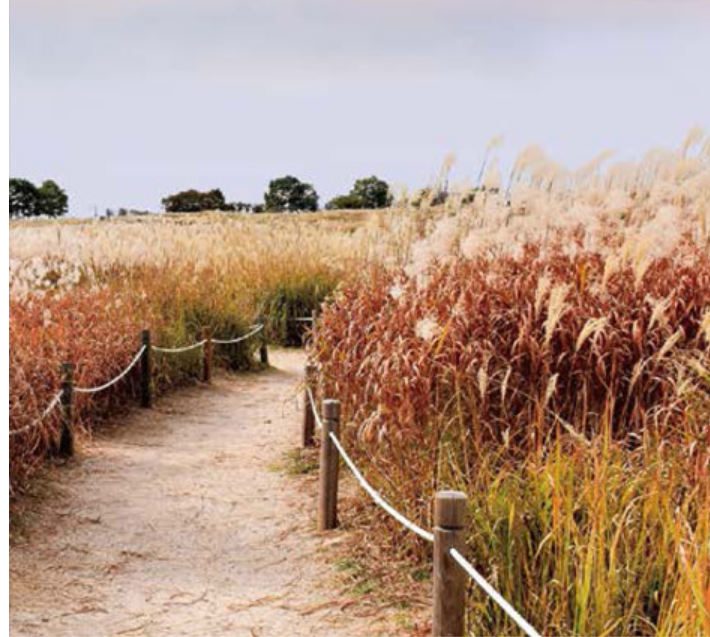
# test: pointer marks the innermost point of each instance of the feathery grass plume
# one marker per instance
(658, 314)
(671, 342)
(592, 327)
(556, 307)
(544, 284)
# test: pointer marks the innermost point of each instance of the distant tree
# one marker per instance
(24, 199)
(196, 201)
(289, 194)
(370, 192)
(345, 202)
(373, 192)
(53, 201)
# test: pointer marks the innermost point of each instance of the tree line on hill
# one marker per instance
(285, 194)
(28, 200)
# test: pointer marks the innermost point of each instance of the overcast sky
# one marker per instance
(124, 102)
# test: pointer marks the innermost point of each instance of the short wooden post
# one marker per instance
(207, 356)
(66, 433)
(449, 578)
(329, 467)
(146, 371)
(309, 419)
(263, 347)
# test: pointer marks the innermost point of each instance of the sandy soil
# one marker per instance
(174, 522)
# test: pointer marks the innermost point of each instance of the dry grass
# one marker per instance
(82, 292)
(549, 356)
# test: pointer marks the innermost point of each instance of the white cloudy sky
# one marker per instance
(124, 102)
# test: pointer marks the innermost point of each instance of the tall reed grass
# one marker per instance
(546, 350)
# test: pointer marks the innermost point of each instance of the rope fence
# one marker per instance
(450, 566)
(38, 421)
(64, 398)
(179, 350)
(113, 381)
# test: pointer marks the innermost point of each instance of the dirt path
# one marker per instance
(174, 522)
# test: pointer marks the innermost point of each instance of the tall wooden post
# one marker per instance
(329, 467)
(263, 347)
(146, 371)
(207, 356)
(66, 434)
(449, 578)
(309, 419)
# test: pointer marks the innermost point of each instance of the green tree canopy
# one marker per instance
(289, 194)
(373, 192)
(53, 201)
(369, 192)
(24, 199)
(196, 201)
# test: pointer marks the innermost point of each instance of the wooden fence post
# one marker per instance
(66, 433)
(449, 578)
(329, 467)
(309, 419)
(207, 356)
(146, 371)
(263, 347)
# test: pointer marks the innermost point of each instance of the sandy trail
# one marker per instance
(174, 522)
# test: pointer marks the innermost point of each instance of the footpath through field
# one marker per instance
(174, 522)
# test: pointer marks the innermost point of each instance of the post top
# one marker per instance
(450, 509)
(331, 408)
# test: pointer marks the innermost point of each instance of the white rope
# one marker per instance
(95, 390)
(256, 330)
(179, 350)
(493, 593)
(314, 409)
(458, 558)
(303, 319)
(52, 404)
(377, 497)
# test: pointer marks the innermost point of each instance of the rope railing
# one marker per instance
(449, 515)
(378, 499)
(239, 339)
(65, 397)
(493, 593)
(38, 421)
(179, 350)
(113, 381)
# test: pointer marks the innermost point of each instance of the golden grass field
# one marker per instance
(541, 345)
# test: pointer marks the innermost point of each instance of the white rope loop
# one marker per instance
(256, 330)
(100, 388)
(178, 350)
(429, 537)
(493, 593)
(314, 409)
(36, 423)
